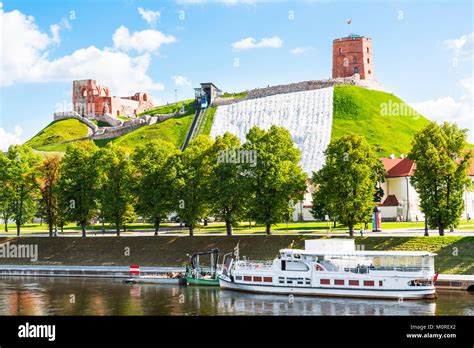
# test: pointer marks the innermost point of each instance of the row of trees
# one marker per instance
(346, 187)
(257, 180)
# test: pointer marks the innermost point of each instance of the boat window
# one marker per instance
(283, 265)
(247, 278)
(325, 281)
(354, 282)
(339, 282)
(238, 278)
(297, 256)
(368, 283)
(267, 279)
(257, 279)
(295, 266)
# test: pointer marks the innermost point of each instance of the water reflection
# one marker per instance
(69, 296)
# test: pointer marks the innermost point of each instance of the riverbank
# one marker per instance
(455, 254)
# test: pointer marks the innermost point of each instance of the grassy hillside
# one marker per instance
(58, 132)
(385, 120)
(173, 130)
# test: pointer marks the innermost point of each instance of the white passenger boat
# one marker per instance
(332, 267)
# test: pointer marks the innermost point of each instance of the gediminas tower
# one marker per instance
(352, 55)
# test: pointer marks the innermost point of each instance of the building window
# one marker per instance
(368, 61)
(356, 70)
(340, 50)
(367, 50)
(370, 72)
(354, 60)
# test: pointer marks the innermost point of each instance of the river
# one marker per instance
(86, 296)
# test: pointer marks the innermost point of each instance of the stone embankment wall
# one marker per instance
(113, 121)
(299, 87)
(72, 114)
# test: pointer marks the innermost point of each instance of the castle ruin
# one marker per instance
(91, 99)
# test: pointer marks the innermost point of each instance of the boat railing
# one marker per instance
(251, 265)
(385, 268)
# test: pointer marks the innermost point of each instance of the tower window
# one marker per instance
(370, 72)
(367, 50)
(354, 60)
(356, 70)
(340, 50)
(368, 61)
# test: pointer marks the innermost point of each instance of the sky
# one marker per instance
(422, 51)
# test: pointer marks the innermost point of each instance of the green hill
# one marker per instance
(384, 119)
(173, 130)
(58, 132)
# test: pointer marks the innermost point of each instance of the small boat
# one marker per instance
(333, 267)
(198, 274)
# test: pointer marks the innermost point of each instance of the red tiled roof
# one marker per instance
(390, 201)
(397, 167)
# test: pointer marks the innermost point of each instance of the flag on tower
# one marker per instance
(349, 21)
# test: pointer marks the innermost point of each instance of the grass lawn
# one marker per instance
(359, 111)
(58, 132)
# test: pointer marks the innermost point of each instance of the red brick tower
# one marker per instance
(352, 55)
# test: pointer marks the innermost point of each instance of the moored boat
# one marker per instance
(332, 267)
(199, 274)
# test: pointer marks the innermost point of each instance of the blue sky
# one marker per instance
(423, 51)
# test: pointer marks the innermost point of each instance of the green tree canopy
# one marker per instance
(22, 184)
(195, 166)
(276, 179)
(441, 173)
(77, 186)
(228, 193)
(115, 185)
(155, 165)
(49, 203)
(347, 182)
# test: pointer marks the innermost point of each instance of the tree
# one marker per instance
(227, 191)
(275, 179)
(5, 189)
(115, 185)
(49, 203)
(77, 184)
(193, 181)
(347, 182)
(441, 173)
(22, 182)
(156, 173)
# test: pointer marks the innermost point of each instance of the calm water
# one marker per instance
(61, 296)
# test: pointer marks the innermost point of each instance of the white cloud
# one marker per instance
(147, 40)
(450, 109)
(25, 58)
(151, 17)
(462, 47)
(7, 139)
(301, 50)
(180, 80)
(250, 42)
